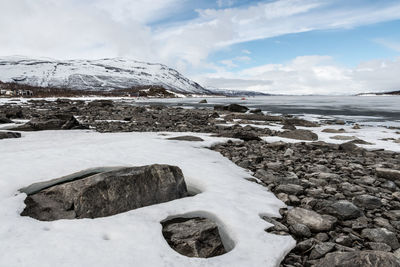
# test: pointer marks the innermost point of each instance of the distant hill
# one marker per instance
(382, 93)
(94, 75)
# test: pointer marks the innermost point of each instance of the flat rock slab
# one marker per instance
(187, 138)
(6, 135)
(107, 193)
(299, 134)
(193, 237)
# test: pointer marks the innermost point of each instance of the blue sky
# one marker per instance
(277, 46)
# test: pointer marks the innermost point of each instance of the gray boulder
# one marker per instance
(367, 201)
(343, 210)
(359, 258)
(393, 175)
(381, 235)
(5, 120)
(51, 122)
(193, 237)
(311, 219)
(299, 134)
(107, 193)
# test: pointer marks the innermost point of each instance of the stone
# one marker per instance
(343, 210)
(342, 137)
(299, 134)
(187, 138)
(311, 219)
(6, 135)
(51, 122)
(305, 245)
(246, 136)
(232, 108)
(288, 153)
(301, 122)
(359, 258)
(328, 130)
(321, 250)
(300, 230)
(203, 101)
(367, 201)
(381, 235)
(356, 127)
(393, 175)
(379, 246)
(193, 237)
(291, 189)
(5, 120)
(277, 226)
(348, 147)
(107, 193)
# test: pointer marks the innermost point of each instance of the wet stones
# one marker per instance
(193, 237)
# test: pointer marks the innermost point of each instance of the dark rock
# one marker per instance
(256, 111)
(186, 138)
(379, 246)
(299, 134)
(246, 136)
(107, 193)
(102, 103)
(277, 226)
(232, 108)
(367, 201)
(348, 147)
(381, 235)
(328, 130)
(301, 122)
(52, 122)
(6, 135)
(342, 209)
(5, 120)
(321, 250)
(358, 259)
(291, 189)
(203, 101)
(193, 237)
(300, 230)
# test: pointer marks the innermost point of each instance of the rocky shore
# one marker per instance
(343, 201)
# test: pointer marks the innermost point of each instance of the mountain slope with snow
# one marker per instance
(102, 74)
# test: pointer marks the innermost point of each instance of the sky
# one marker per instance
(274, 46)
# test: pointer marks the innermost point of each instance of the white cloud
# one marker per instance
(311, 75)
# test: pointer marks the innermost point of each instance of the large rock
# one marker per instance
(381, 235)
(299, 134)
(301, 122)
(6, 135)
(367, 201)
(313, 220)
(107, 193)
(343, 210)
(193, 237)
(51, 122)
(5, 120)
(389, 174)
(358, 259)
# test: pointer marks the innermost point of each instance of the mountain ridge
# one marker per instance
(96, 75)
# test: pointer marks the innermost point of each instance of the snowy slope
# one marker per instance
(102, 74)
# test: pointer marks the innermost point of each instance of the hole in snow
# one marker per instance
(102, 192)
(197, 234)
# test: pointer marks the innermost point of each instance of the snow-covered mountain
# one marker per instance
(102, 74)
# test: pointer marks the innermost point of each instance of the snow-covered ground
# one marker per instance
(132, 238)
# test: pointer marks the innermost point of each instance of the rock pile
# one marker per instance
(345, 203)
